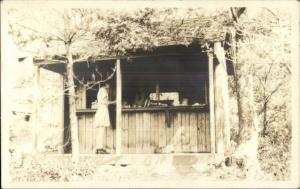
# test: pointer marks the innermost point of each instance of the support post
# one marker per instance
(221, 101)
(62, 124)
(118, 108)
(36, 110)
(211, 102)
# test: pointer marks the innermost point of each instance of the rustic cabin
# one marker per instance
(170, 99)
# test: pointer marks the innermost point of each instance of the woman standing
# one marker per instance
(102, 119)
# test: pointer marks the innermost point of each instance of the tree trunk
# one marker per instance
(248, 139)
(72, 106)
(247, 134)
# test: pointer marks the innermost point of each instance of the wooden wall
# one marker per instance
(88, 140)
(148, 132)
(81, 97)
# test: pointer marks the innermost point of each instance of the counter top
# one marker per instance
(154, 108)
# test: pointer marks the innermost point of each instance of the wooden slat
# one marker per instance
(94, 135)
(211, 101)
(200, 137)
(193, 132)
(142, 132)
(184, 132)
(146, 141)
(81, 133)
(156, 130)
(85, 134)
(88, 134)
(162, 130)
(169, 130)
(138, 132)
(208, 149)
(177, 132)
(114, 141)
(198, 134)
(205, 139)
(125, 139)
(132, 132)
(152, 132)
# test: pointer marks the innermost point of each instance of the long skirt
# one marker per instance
(102, 117)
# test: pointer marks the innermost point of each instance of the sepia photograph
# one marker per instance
(150, 94)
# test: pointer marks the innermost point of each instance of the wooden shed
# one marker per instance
(186, 106)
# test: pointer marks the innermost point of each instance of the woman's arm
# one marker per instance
(112, 102)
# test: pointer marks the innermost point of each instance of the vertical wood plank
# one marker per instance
(211, 101)
(80, 133)
(198, 135)
(114, 141)
(169, 130)
(208, 133)
(200, 132)
(90, 134)
(193, 132)
(147, 132)
(85, 123)
(93, 134)
(133, 131)
(118, 107)
(162, 130)
(123, 131)
(142, 132)
(125, 141)
(188, 142)
(152, 131)
(177, 132)
(130, 132)
(205, 137)
(137, 133)
(156, 130)
(184, 127)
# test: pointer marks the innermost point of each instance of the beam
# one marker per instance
(211, 102)
(222, 101)
(62, 81)
(118, 108)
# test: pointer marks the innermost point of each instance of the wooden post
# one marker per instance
(221, 102)
(36, 110)
(62, 80)
(118, 108)
(211, 102)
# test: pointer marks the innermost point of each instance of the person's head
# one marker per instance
(104, 85)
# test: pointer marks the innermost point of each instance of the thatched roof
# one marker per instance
(182, 30)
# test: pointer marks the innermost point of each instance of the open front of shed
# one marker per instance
(185, 105)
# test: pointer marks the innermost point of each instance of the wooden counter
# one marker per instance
(153, 108)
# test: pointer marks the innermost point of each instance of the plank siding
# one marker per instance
(146, 138)
(152, 132)
(147, 132)
(177, 132)
(193, 132)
